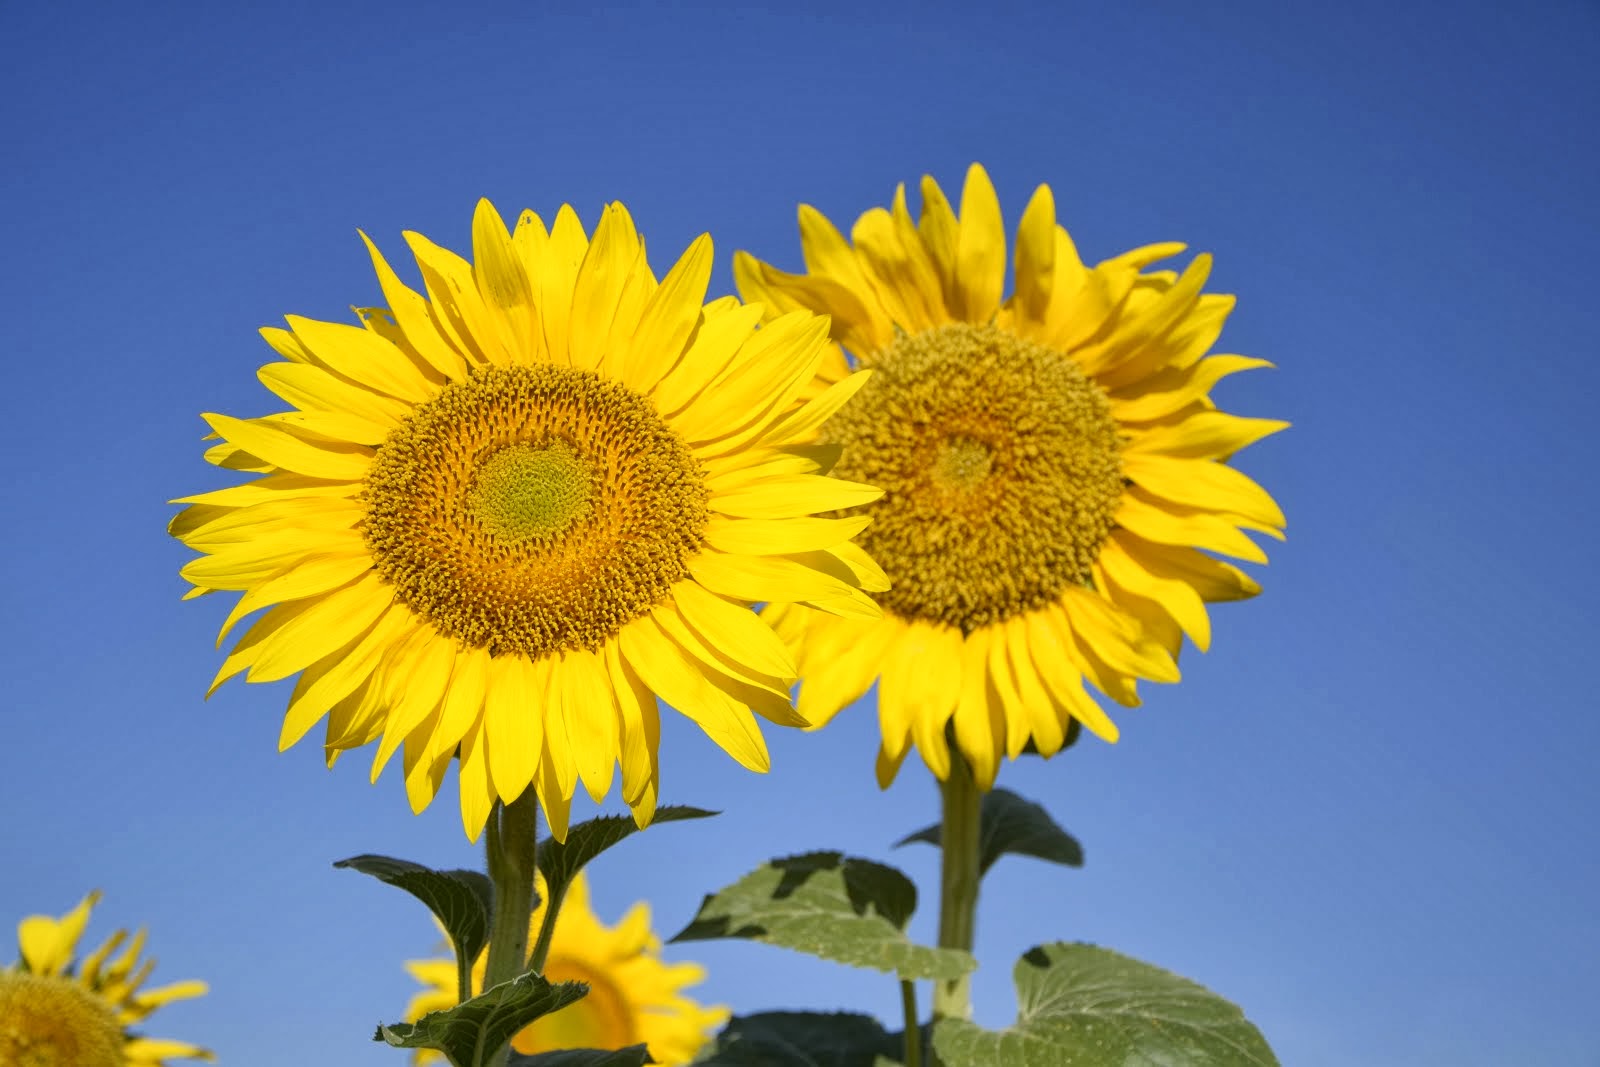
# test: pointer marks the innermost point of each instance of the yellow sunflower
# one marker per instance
(1054, 472)
(506, 515)
(634, 995)
(56, 1011)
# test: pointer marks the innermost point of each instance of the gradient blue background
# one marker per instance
(1367, 815)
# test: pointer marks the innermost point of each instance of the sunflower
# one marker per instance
(1054, 471)
(59, 1012)
(506, 515)
(634, 996)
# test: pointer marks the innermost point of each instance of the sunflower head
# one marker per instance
(59, 1011)
(1056, 487)
(635, 997)
(510, 510)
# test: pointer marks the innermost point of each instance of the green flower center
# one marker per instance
(523, 492)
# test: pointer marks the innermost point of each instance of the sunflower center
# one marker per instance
(535, 508)
(605, 1019)
(54, 1022)
(522, 491)
(1000, 464)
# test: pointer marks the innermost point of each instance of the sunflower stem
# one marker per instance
(958, 882)
(547, 929)
(512, 846)
(908, 1004)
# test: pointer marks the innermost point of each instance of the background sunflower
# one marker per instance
(1053, 465)
(57, 1009)
(634, 995)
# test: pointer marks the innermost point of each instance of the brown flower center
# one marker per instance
(1000, 464)
(54, 1022)
(533, 508)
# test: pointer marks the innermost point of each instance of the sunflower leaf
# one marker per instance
(1088, 1006)
(461, 900)
(632, 1056)
(1010, 823)
(560, 862)
(476, 1027)
(829, 905)
(802, 1039)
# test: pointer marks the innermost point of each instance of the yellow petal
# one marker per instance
(317, 626)
(1169, 524)
(410, 311)
(503, 285)
(1036, 255)
(1202, 484)
(1177, 598)
(668, 319)
(558, 273)
(849, 654)
(279, 446)
(1115, 638)
(1202, 435)
(47, 944)
(477, 795)
(1044, 723)
(792, 497)
(641, 726)
(733, 628)
(513, 717)
(673, 672)
(338, 674)
(980, 249)
(978, 724)
(600, 305)
(363, 357)
(765, 578)
(803, 424)
(591, 714)
(314, 389)
(776, 537)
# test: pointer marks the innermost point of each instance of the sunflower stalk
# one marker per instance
(913, 1038)
(958, 882)
(512, 845)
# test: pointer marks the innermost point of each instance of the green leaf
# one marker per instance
(560, 862)
(488, 1021)
(462, 900)
(632, 1056)
(822, 903)
(802, 1039)
(1083, 1006)
(1009, 823)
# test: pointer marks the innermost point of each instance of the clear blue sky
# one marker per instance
(1367, 815)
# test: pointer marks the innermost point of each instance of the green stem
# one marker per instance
(513, 833)
(908, 1003)
(958, 882)
(547, 929)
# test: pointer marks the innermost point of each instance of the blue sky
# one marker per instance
(1367, 815)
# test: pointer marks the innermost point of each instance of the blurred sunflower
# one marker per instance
(506, 515)
(634, 995)
(56, 1011)
(1054, 473)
